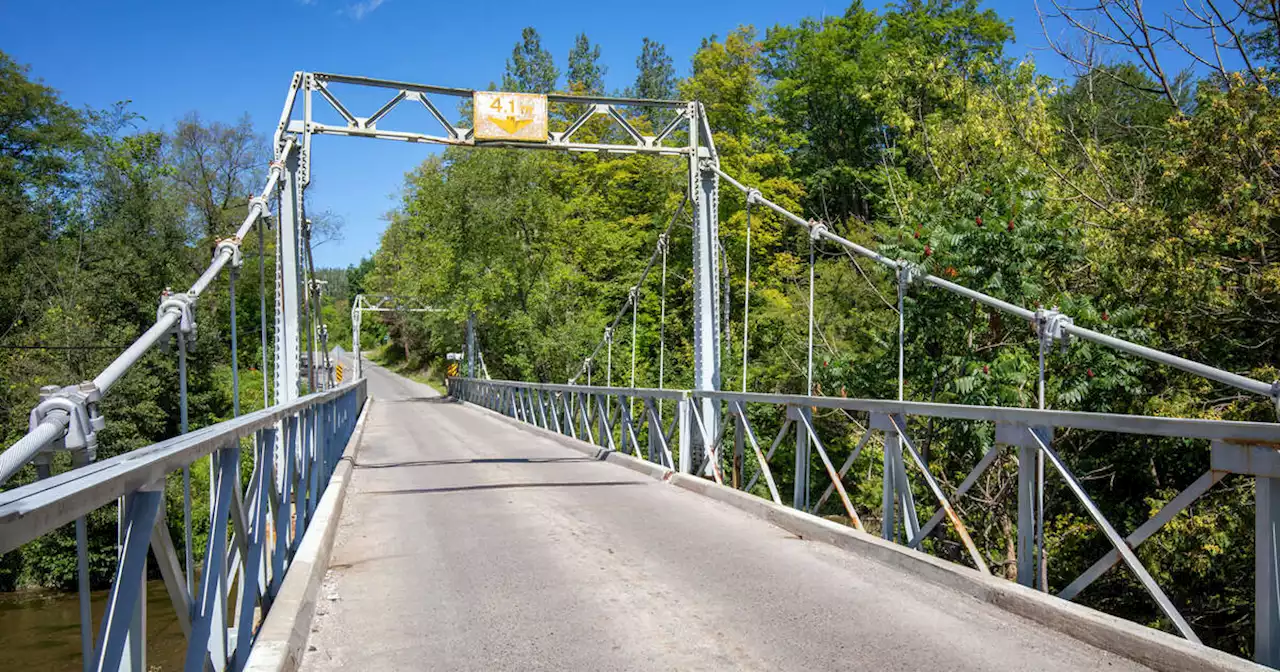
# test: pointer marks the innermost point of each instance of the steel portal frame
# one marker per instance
(381, 304)
(697, 148)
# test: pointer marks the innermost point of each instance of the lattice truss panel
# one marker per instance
(422, 113)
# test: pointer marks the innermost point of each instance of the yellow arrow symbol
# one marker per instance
(511, 124)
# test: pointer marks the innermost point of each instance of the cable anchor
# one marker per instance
(84, 420)
(232, 246)
(908, 273)
(1051, 326)
(183, 305)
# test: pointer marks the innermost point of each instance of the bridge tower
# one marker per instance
(704, 188)
(296, 160)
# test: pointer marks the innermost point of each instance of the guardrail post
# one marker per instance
(684, 426)
(888, 496)
(1030, 484)
(1267, 572)
(208, 641)
(603, 407)
(122, 640)
(898, 503)
(800, 493)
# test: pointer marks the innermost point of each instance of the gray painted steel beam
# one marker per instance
(1267, 573)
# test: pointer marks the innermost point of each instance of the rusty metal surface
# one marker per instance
(501, 115)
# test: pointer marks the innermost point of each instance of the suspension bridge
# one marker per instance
(546, 525)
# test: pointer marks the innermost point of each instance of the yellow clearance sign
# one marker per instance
(453, 369)
(501, 115)
(337, 372)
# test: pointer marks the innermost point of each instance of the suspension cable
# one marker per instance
(902, 331)
(663, 243)
(235, 352)
(1271, 390)
(725, 302)
(658, 249)
(809, 376)
(635, 311)
(54, 423)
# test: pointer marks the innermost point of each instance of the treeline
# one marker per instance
(1139, 200)
(97, 216)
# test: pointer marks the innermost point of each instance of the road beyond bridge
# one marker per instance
(468, 543)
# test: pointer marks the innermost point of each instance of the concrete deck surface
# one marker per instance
(468, 544)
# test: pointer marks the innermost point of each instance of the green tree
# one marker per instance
(218, 166)
(586, 74)
(655, 74)
(39, 136)
(531, 69)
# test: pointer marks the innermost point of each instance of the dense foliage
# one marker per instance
(1145, 208)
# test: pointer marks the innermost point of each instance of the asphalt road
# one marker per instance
(468, 544)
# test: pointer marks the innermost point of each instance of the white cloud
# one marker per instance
(362, 9)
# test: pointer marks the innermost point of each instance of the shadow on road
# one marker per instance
(422, 400)
(478, 460)
(502, 486)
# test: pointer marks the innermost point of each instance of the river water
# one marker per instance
(41, 630)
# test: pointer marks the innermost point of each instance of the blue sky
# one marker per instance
(226, 59)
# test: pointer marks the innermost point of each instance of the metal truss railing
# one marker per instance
(606, 416)
(256, 525)
(586, 413)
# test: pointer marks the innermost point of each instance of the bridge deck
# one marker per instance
(469, 544)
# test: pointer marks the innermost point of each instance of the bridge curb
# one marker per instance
(283, 637)
(1153, 648)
